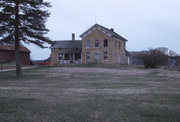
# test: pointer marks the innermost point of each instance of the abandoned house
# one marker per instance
(99, 45)
(7, 54)
(66, 51)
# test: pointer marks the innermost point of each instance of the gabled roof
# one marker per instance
(105, 30)
(67, 44)
(11, 47)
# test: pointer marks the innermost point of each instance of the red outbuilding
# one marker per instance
(7, 53)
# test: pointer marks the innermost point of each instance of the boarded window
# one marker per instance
(105, 43)
(87, 56)
(96, 43)
(105, 56)
(87, 43)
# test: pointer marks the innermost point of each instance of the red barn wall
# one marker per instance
(7, 56)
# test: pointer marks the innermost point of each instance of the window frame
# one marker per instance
(105, 56)
(61, 56)
(87, 43)
(105, 43)
(88, 54)
(96, 43)
(119, 45)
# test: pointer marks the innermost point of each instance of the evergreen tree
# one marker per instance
(23, 21)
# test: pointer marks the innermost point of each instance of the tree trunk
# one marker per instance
(17, 50)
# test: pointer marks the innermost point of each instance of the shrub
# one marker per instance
(178, 61)
(153, 58)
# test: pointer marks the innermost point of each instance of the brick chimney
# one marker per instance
(73, 36)
(112, 29)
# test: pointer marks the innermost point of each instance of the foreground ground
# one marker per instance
(90, 94)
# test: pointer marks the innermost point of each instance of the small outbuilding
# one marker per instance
(7, 53)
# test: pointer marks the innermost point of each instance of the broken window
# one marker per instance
(96, 43)
(105, 56)
(119, 44)
(60, 56)
(105, 43)
(87, 56)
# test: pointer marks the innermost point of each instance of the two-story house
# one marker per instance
(101, 45)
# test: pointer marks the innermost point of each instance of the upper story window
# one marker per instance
(88, 43)
(105, 43)
(119, 44)
(123, 45)
(96, 43)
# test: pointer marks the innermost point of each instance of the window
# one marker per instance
(105, 56)
(96, 43)
(60, 56)
(96, 56)
(123, 45)
(105, 43)
(119, 45)
(87, 56)
(87, 43)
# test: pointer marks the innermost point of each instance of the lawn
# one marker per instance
(90, 94)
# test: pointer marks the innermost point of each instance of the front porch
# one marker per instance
(67, 58)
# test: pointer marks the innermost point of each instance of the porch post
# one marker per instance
(73, 57)
(69, 57)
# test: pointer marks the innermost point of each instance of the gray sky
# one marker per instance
(144, 23)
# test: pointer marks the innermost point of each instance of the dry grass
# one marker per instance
(90, 94)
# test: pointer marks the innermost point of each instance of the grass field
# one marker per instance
(90, 94)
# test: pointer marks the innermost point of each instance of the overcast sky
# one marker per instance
(144, 23)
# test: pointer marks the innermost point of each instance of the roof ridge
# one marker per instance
(114, 34)
(66, 40)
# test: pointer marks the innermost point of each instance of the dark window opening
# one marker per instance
(105, 43)
(96, 43)
(119, 45)
(60, 56)
(77, 56)
(105, 56)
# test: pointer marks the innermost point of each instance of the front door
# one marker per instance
(96, 58)
(71, 58)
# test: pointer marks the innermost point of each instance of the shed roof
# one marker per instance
(11, 47)
(67, 44)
